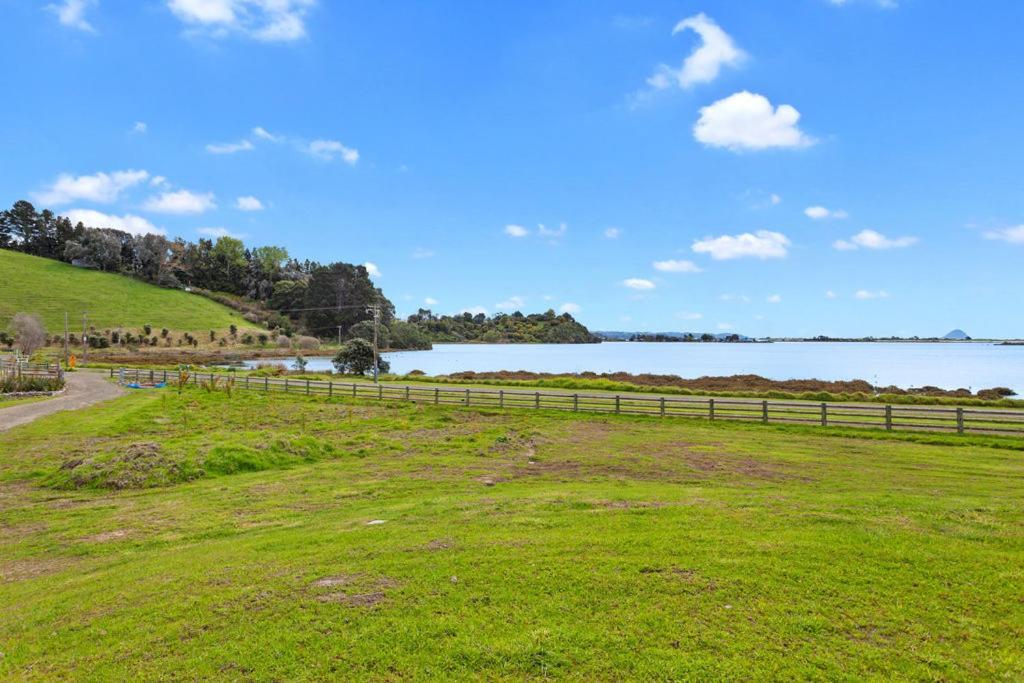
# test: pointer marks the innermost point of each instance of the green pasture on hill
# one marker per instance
(48, 288)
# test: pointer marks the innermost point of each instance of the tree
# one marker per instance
(29, 332)
(342, 294)
(356, 358)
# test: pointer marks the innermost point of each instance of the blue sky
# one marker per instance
(787, 168)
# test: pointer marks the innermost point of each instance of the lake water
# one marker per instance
(949, 366)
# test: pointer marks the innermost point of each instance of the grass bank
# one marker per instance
(48, 288)
(255, 537)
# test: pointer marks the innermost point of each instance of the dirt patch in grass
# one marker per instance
(30, 568)
(106, 536)
(359, 590)
(353, 600)
(701, 459)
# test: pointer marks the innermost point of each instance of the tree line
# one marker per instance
(269, 286)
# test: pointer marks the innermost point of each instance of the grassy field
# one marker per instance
(202, 535)
(49, 288)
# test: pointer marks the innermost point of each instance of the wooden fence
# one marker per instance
(951, 419)
(9, 366)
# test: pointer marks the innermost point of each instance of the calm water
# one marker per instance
(950, 366)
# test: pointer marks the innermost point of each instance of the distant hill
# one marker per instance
(30, 284)
(616, 335)
(958, 335)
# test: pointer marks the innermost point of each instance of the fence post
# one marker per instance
(663, 406)
(330, 388)
(711, 408)
(247, 381)
(888, 418)
(959, 420)
(406, 392)
(437, 395)
(307, 387)
(380, 392)
(266, 385)
(467, 396)
(286, 385)
(764, 412)
(617, 405)
(165, 376)
(354, 387)
(575, 403)
(501, 398)
(824, 414)
(536, 400)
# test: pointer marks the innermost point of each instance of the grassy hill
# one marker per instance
(49, 288)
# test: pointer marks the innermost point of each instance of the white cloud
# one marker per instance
(724, 326)
(140, 127)
(716, 50)
(552, 233)
(474, 310)
(570, 308)
(248, 203)
(871, 239)
(774, 299)
(516, 231)
(158, 181)
(831, 295)
(181, 202)
(513, 303)
(218, 232)
(612, 233)
(763, 244)
(430, 301)
(746, 121)
(101, 188)
(638, 284)
(135, 225)
(865, 295)
(71, 13)
(677, 266)
(230, 147)
(775, 199)
(740, 298)
(263, 134)
(329, 150)
(265, 20)
(421, 253)
(689, 316)
(1014, 235)
(820, 213)
(372, 269)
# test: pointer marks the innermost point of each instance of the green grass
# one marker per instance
(49, 288)
(206, 536)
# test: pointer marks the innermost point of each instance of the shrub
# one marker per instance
(284, 342)
(307, 343)
(147, 329)
(356, 357)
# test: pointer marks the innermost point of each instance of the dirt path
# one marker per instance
(84, 389)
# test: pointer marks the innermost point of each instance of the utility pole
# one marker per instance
(339, 335)
(85, 338)
(376, 324)
(66, 354)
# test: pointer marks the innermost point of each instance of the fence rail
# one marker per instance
(888, 417)
(9, 366)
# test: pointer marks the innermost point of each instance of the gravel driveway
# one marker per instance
(84, 389)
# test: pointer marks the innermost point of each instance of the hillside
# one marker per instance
(48, 288)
